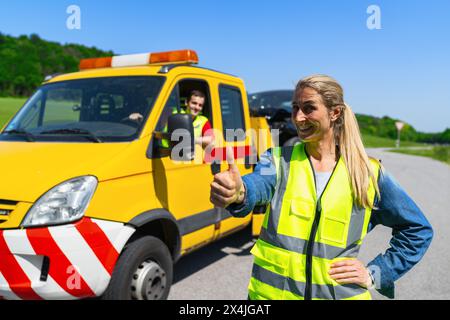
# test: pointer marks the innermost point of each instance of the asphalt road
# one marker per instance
(222, 269)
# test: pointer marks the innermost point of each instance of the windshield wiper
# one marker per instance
(30, 137)
(79, 131)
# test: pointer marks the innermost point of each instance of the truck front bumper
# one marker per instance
(63, 262)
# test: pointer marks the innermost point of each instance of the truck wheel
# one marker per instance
(292, 141)
(144, 271)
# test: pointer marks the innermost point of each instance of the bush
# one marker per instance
(442, 153)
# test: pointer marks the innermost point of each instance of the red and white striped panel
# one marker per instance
(220, 154)
(82, 258)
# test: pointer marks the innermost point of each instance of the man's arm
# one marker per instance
(135, 116)
(207, 135)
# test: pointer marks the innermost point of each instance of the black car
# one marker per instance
(276, 106)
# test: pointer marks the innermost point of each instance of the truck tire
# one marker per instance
(144, 271)
(291, 142)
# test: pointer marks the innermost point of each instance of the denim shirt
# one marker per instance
(411, 232)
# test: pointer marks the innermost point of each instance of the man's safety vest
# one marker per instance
(198, 123)
(302, 236)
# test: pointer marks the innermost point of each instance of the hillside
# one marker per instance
(26, 60)
(385, 127)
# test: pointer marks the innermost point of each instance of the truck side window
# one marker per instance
(178, 97)
(169, 108)
(232, 113)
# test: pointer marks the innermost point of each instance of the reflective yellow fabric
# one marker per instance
(299, 200)
(284, 275)
(280, 254)
(198, 124)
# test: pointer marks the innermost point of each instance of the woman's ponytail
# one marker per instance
(355, 157)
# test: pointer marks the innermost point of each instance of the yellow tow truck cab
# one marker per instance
(93, 203)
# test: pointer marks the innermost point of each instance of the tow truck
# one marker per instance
(91, 203)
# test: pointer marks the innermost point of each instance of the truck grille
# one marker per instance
(6, 207)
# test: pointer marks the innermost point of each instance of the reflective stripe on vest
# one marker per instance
(285, 255)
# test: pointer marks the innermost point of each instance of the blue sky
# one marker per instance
(402, 70)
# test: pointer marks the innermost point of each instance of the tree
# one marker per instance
(26, 60)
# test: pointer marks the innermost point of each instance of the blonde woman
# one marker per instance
(323, 196)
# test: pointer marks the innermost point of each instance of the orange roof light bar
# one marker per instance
(178, 57)
(95, 63)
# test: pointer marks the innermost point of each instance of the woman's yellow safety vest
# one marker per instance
(302, 236)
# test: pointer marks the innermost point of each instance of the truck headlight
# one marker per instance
(64, 203)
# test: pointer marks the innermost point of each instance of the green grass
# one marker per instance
(379, 142)
(8, 107)
(62, 110)
(441, 153)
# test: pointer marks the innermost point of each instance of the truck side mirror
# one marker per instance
(181, 132)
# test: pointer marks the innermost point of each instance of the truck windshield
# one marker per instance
(86, 110)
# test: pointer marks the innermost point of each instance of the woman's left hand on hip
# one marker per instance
(350, 271)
